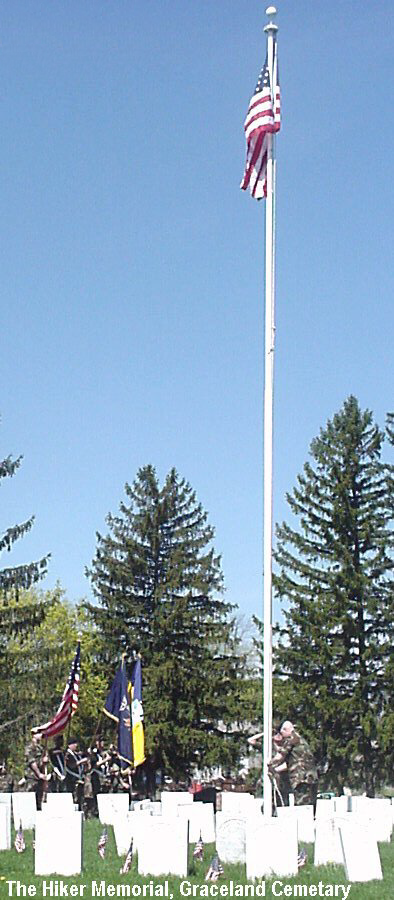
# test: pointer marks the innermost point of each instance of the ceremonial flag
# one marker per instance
(127, 863)
(117, 707)
(137, 715)
(69, 702)
(102, 844)
(262, 119)
(19, 844)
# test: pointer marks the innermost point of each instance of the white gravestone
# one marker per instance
(231, 837)
(328, 846)
(127, 827)
(5, 833)
(360, 852)
(163, 847)
(380, 825)
(343, 804)
(24, 809)
(59, 804)
(305, 821)
(58, 844)
(156, 809)
(271, 848)
(201, 818)
(325, 809)
(170, 800)
(237, 803)
(5, 827)
(110, 805)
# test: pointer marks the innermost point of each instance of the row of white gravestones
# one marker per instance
(201, 818)
(58, 844)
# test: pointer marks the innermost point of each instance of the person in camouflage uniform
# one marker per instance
(36, 760)
(301, 767)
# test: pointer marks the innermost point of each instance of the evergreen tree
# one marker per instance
(336, 579)
(158, 585)
(17, 577)
(18, 617)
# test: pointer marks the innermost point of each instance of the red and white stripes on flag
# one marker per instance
(69, 702)
(262, 119)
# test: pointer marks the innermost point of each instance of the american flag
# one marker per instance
(19, 844)
(263, 118)
(215, 869)
(302, 859)
(69, 702)
(127, 863)
(198, 851)
(102, 844)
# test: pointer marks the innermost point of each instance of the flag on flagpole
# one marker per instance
(137, 714)
(19, 844)
(263, 118)
(68, 704)
(117, 707)
(198, 851)
(102, 844)
(127, 863)
(215, 869)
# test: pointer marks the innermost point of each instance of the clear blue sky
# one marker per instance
(132, 265)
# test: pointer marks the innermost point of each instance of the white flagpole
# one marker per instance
(270, 30)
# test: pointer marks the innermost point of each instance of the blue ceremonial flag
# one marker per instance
(117, 707)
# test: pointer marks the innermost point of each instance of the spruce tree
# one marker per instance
(18, 616)
(16, 577)
(158, 585)
(335, 580)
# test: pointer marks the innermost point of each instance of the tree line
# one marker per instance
(157, 584)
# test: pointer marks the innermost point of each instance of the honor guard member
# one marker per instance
(301, 766)
(74, 771)
(36, 759)
(99, 770)
(56, 756)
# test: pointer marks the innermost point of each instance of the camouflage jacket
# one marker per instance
(297, 755)
(33, 754)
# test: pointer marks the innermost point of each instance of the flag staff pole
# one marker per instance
(270, 30)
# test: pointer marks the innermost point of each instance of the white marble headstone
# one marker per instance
(231, 837)
(237, 803)
(59, 804)
(110, 805)
(305, 821)
(360, 852)
(163, 847)
(170, 800)
(24, 809)
(128, 826)
(5, 827)
(271, 848)
(5, 835)
(343, 804)
(58, 844)
(201, 818)
(328, 846)
(325, 809)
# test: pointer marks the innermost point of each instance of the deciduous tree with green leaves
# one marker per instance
(158, 585)
(336, 583)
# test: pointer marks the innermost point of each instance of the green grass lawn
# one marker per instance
(14, 866)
